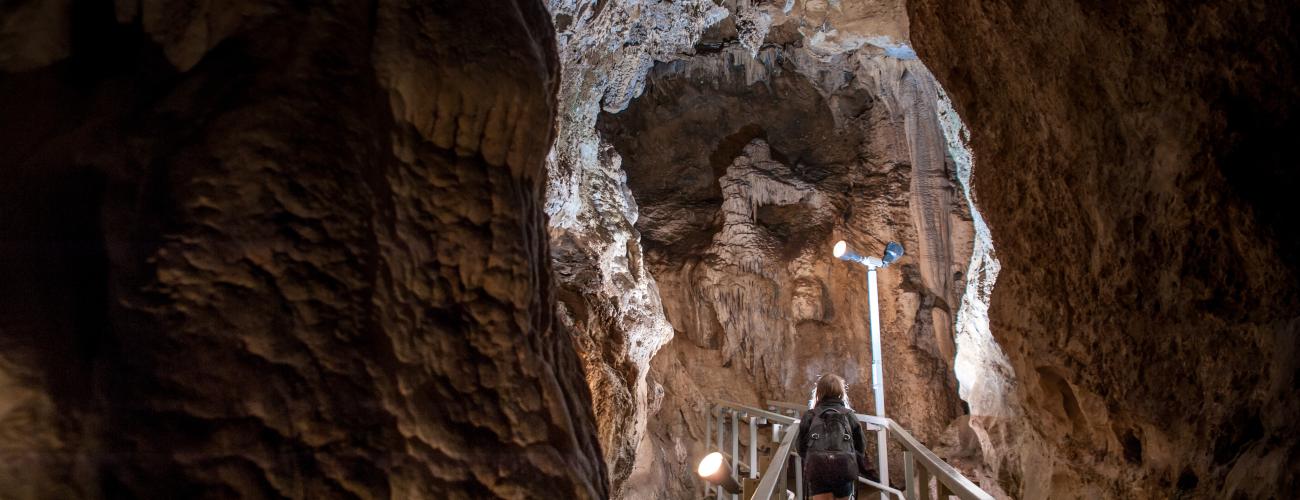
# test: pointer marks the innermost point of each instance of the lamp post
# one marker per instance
(714, 469)
(892, 252)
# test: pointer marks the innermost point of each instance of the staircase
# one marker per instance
(925, 475)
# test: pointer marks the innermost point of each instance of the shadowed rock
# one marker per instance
(283, 250)
(1132, 162)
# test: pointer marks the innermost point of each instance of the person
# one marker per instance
(830, 442)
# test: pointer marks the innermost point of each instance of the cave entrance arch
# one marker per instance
(731, 171)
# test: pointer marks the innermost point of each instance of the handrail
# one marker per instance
(882, 488)
(873, 426)
(756, 417)
(949, 477)
(789, 406)
(952, 478)
(750, 410)
(775, 468)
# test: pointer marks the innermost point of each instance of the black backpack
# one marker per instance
(831, 455)
(830, 431)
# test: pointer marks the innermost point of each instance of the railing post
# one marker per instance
(909, 476)
(717, 490)
(923, 483)
(942, 489)
(753, 447)
(735, 446)
(798, 477)
(785, 477)
(708, 438)
(882, 458)
(718, 443)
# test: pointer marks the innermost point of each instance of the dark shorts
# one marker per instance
(831, 473)
(839, 490)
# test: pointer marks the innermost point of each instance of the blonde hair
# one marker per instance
(829, 385)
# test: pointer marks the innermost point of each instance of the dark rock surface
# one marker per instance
(1133, 161)
(276, 250)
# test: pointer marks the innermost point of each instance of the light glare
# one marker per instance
(710, 464)
(840, 248)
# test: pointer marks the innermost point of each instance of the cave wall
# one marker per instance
(626, 301)
(748, 158)
(607, 296)
(744, 188)
(277, 249)
(1132, 162)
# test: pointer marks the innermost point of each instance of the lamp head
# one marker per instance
(841, 251)
(711, 464)
(892, 252)
(714, 469)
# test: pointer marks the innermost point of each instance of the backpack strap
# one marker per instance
(852, 421)
(844, 417)
(819, 416)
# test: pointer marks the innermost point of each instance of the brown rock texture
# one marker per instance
(607, 296)
(271, 249)
(448, 249)
(747, 163)
(1133, 162)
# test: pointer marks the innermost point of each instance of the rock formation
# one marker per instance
(1131, 160)
(607, 295)
(1124, 249)
(279, 250)
(439, 249)
(747, 164)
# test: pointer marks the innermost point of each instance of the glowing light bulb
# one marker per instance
(709, 466)
(840, 248)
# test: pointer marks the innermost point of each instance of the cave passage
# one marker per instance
(573, 248)
(744, 166)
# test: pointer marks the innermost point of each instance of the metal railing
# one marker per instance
(882, 459)
(774, 482)
(722, 433)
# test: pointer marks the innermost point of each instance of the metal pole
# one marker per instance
(922, 483)
(785, 478)
(909, 476)
(735, 446)
(708, 438)
(717, 490)
(753, 447)
(877, 376)
(798, 477)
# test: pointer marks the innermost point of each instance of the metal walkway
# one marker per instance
(925, 475)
